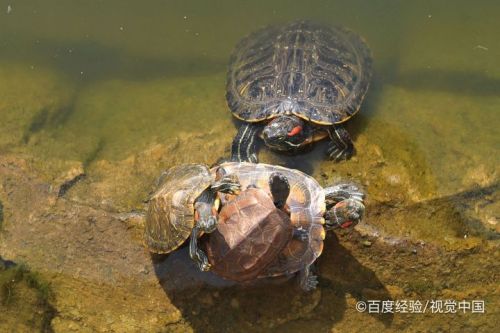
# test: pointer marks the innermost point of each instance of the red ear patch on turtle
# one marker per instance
(346, 224)
(196, 215)
(296, 130)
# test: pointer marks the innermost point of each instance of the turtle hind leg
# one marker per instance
(307, 280)
(244, 148)
(341, 146)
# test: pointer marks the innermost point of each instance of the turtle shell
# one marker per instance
(250, 234)
(170, 215)
(315, 72)
(306, 204)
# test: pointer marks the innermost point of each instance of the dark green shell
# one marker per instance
(315, 72)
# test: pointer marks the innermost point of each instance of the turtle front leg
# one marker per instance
(307, 280)
(198, 256)
(341, 146)
(206, 221)
(244, 148)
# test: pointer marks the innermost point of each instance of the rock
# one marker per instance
(80, 256)
(1, 214)
(234, 303)
(87, 243)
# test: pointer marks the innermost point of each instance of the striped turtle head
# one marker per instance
(346, 214)
(286, 133)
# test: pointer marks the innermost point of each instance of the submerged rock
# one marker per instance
(31, 102)
(25, 299)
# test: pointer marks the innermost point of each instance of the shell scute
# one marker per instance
(326, 70)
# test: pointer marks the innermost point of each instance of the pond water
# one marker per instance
(119, 90)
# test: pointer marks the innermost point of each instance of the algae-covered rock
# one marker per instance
(25, 299)
(1, 214)
(94, 263)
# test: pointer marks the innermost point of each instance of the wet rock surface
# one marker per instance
(87, 245)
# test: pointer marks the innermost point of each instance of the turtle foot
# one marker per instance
(308, 280)
(301, 234)
(338, 154)
(341, 147)
(310, 283)
(202, 262)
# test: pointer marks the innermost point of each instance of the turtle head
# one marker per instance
(286, 133)
(346, 214)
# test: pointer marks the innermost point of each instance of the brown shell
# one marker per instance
(170, 216)
(251, 232)
(306, 203)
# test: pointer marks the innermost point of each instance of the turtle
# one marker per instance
(310, 208)
(252, 230)
(295, 84)
(183, 205)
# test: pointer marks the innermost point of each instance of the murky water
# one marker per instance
(119, 90)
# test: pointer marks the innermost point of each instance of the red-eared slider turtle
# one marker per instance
(183, 205)
(308, 205)
(251, 232)
(295, 84)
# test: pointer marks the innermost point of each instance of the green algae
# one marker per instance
(25, 299)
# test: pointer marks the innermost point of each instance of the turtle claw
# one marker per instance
(337, 154)
(301, 234)
(308, 280)
(311, 283)
(202, 261)
(341, 147)
(197, 255)
(253, 158)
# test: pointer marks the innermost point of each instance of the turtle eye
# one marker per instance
(296, 130)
